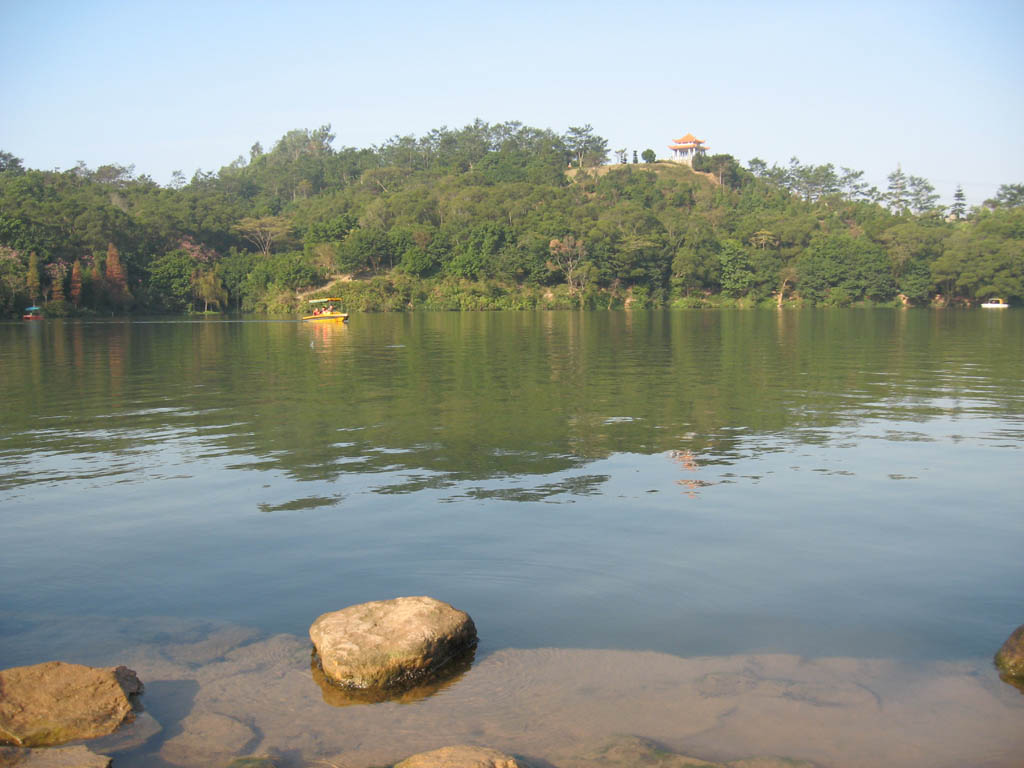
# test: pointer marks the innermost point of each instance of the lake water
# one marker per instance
(828, 499)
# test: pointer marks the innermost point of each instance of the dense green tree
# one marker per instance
(13, 291)
(724, 167)
(737, 273)
(10, 164)
(1007, 196)
(837, 269)
(586, 147)
(648, 156)
(170, 281)
(366, 248)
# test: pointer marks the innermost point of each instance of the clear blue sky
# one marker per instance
(935, 87)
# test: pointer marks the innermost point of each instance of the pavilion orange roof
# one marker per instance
(689, 141)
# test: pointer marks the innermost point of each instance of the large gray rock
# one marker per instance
(391, 643)
(1010, 658)
(461, 756)
(55, 702)
(53, 757)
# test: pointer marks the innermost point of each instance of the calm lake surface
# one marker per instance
(823, 484)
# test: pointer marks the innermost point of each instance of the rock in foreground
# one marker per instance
(391, 643)
(1010, 658)
(58, 757)
(461, 757)
(55, 702)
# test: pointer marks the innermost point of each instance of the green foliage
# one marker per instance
(209, 289)
(1008, 196)
(291, 270)
(59, 308)
(13, 292)
(587, 148)
(365, 249)
(838, 269)
(464, 219)
(737, 273)
(32, 278)
(170, 282)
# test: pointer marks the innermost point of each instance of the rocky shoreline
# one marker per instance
(252, 704)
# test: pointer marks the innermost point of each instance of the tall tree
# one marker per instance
(56, 271)
(209, 289)
(116, 280)
(76, 283)
(959, 208)
(897, 194)
(32, 279)
(922, 194)
(264, 231)
(567, 255)
(648, 156)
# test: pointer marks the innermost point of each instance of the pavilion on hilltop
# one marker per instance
(686, 148)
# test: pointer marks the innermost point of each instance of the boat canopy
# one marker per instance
(32, 309)
(320, 301)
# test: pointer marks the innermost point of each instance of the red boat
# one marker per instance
(33, 313)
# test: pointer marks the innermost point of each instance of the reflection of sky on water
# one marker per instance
(715, 483)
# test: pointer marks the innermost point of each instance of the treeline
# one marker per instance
(492, 216)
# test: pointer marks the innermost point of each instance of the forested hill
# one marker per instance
(493, 216)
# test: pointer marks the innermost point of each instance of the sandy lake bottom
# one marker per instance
(217, 691)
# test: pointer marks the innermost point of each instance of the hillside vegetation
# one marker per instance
(492, 216)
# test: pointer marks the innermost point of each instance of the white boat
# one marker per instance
(995, 304)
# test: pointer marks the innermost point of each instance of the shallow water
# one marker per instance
(216, 691)
(675, 491)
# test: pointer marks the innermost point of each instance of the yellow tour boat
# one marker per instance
(995, 304)
(326, 310)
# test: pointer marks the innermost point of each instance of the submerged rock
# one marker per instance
(207, 738)
(131, 735)
(54, 757)
(55, 702)
(461, 756)
(391, 643)
(1010, 658)
(635, 752)
(252, 761)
